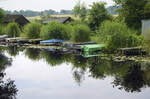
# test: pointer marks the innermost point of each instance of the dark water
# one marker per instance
(40, 74)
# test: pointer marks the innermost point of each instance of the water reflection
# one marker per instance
(133, 80)
(13, 50)
(8, 89)
(54, 58)
(33, 54)
(129, 76)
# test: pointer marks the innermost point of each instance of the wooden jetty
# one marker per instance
(133, 51)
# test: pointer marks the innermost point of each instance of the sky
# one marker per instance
(40, 5)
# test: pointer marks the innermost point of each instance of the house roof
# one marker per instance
(18, 18)
(57, 19)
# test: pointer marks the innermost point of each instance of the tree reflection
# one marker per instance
(4, 62)
(79, 67)
(133, 80)
(13, 50)
(33, 54)
(54, 58)
(79, 62)
(78, 75)
(99, 68)
(8, 89)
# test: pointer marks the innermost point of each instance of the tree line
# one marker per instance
(31, 13)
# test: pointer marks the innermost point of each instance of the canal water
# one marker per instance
(41, 74)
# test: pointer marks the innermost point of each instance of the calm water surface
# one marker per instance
(39, 74)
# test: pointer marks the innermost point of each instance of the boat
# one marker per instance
(92, 48)
(52, 42)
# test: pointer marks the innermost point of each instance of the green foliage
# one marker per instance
(147, 10)
(134, 11)
(80, 10)
(55, 30)
(32, 30)
(81, 33)
(117, 35)
(13, 29)
(2, 15)
(76, 22)
(2, 30)
(98, 13)
(76, 9)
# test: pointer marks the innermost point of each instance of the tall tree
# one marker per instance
(98, 13)
(2, 15)
(80, 10)
(134, 11)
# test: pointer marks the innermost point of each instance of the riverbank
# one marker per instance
(62, 50)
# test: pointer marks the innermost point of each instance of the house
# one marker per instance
(20, 19)
(57, 19)
(146, 29)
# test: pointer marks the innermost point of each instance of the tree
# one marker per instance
(13, 29)
(32, 30)
(81, 33)
(80, 10)
(134, 11)
(2, 29)
(98, 13)
(147, 10)
(2, 15)
(55, 30)
(118, 35)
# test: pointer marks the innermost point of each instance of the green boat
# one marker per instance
(91, 54)
(92, 48)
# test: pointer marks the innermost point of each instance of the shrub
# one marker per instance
(32, 30)
(81, 33)
(76, 22)
(55, 30)
(2, 30)
(117, 35)
(13, 29)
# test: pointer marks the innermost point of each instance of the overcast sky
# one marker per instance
(39, 5)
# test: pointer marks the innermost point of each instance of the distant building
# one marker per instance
(146, 29)
(20, 19)
(57, 19)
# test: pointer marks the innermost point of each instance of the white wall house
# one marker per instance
(146, 28)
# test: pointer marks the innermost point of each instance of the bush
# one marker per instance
(76, 22)
(117, 35)
(13, 29)
(55, 30)
(32, 30)
(2, 30)
(81, 33)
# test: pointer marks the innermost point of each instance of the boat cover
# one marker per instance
(53, 41)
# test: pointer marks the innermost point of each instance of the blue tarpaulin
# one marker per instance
(53, 41)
